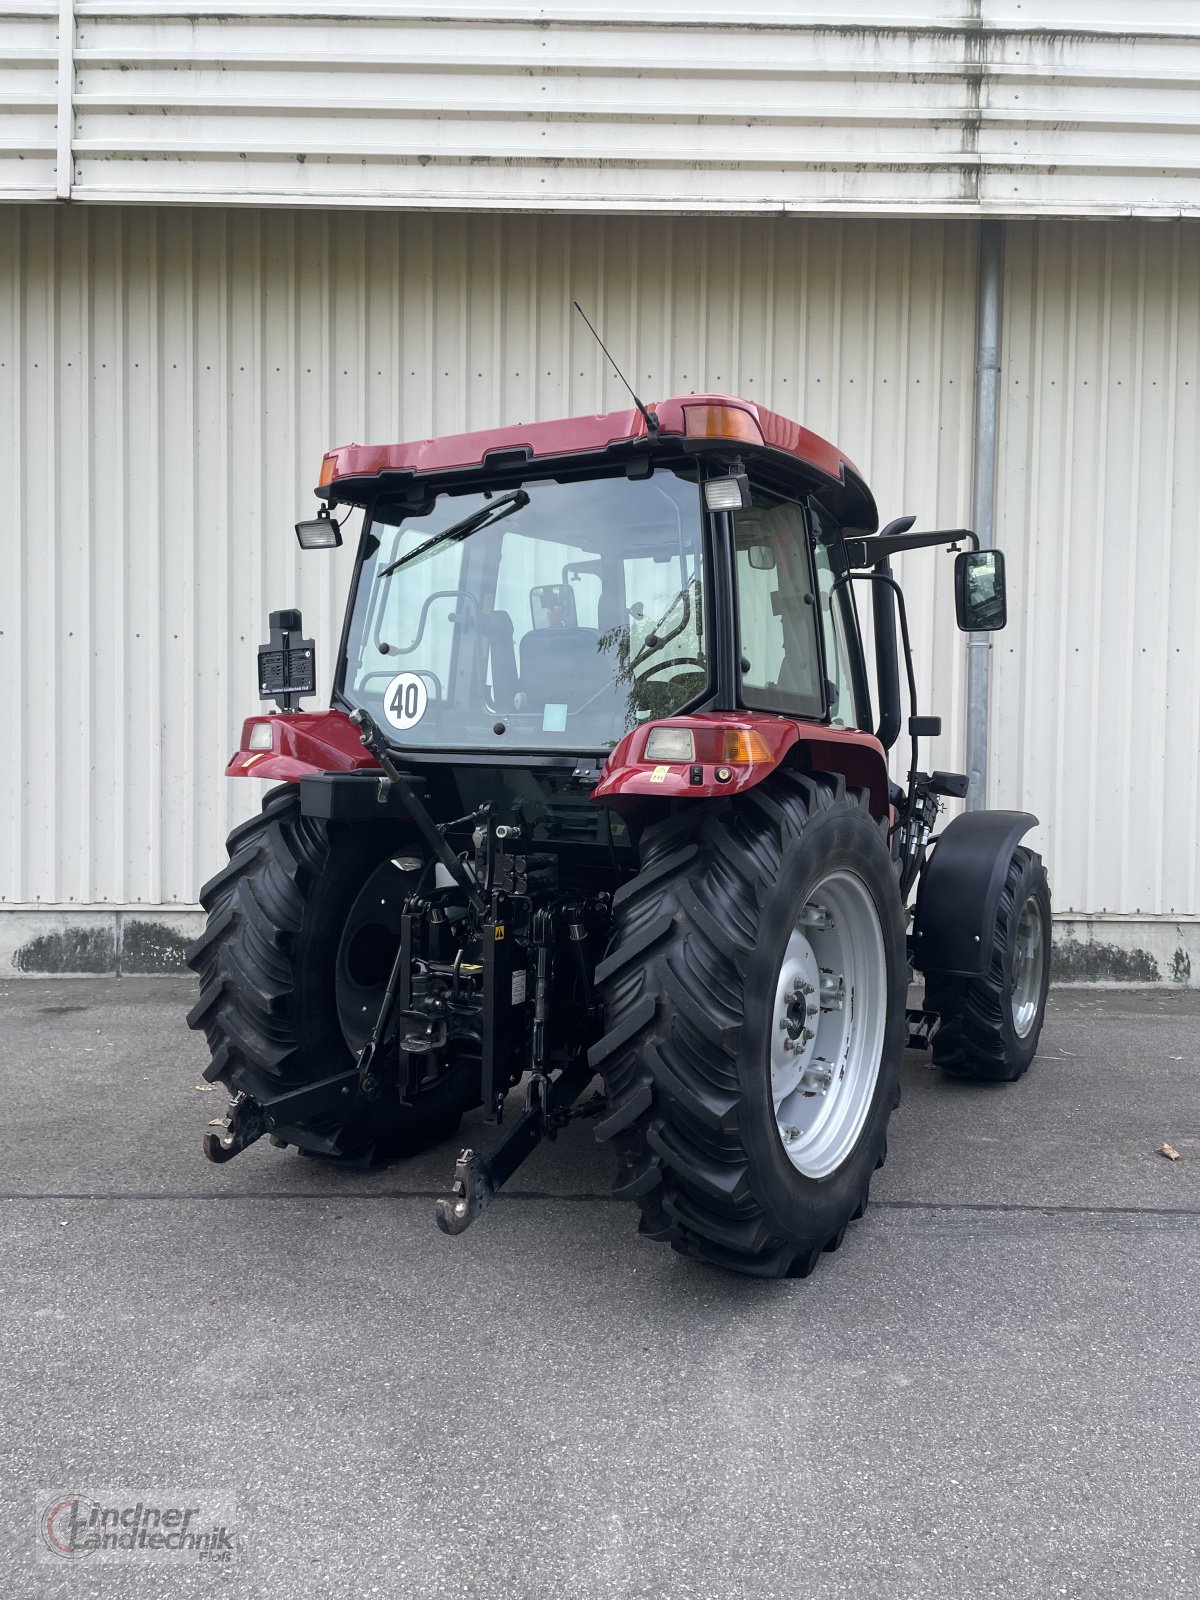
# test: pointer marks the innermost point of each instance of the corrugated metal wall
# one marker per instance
(684, 105)
(1096, 688)
(170, 378)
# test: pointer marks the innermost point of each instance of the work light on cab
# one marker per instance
(320, 532)
(728, 494)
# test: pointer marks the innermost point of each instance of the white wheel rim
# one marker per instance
(828, 1024)
(1029, 959)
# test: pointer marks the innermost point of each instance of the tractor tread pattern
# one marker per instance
(969, 1039)
(255, 905)
(265, 1026)
(672, 988)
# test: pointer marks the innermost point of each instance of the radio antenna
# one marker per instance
(648, 417)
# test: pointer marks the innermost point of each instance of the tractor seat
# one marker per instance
(562, 666)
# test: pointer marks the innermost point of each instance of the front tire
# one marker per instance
(302, 929)
(990, 1025)
(730, 1159)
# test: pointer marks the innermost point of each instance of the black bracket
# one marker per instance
(287, 663)
(477, 1177)
(243, 1124)
(247, 1119)
(865, 552)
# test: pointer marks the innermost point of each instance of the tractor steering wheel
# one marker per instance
(675, 661)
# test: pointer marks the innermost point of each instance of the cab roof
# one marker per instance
(352, 474)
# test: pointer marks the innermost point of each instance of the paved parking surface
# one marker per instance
(991, 1389)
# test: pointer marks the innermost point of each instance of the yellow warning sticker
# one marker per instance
(659, 775)
(499, 932)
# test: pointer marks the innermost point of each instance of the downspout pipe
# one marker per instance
(985, 452)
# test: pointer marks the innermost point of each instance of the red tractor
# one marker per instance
(601, 796)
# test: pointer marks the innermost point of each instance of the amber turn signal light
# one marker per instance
(721, 422)
(740, 747)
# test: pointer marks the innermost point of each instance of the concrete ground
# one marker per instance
(991, 1390)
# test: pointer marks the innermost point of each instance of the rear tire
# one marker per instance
(990, 1025)
(700, 954)
(276, 976)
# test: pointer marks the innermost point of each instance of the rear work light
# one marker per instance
(728, 494)
(670, 744)
(262, 737)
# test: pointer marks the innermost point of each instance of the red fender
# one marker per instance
(302, 742)
(628, 778)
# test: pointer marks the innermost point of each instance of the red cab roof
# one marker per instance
(703, 417)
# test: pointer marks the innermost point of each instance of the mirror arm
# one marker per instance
(866, 552)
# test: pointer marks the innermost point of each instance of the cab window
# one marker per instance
(781, 663)
(849, 706)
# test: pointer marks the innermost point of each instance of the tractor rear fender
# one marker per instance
(285, 748)
(735, 751)
(960, 890)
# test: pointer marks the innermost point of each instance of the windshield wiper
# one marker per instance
(503, 507)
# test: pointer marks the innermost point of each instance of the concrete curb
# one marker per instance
(67, 941)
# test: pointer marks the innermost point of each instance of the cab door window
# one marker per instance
(781, 662)
(849, 706)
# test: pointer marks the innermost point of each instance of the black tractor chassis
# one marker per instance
(481, 962)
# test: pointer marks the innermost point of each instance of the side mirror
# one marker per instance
(552, 605)
(979, 597)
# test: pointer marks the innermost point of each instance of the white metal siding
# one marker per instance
(988, 106)
(1096, 686)
(169, 379)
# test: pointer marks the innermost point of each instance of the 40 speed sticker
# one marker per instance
(405, 699)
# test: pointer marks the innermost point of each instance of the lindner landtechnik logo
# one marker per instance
(71, 1525)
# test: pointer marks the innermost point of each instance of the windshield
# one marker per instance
(558, 616)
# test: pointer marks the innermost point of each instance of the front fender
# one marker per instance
(955, 920)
